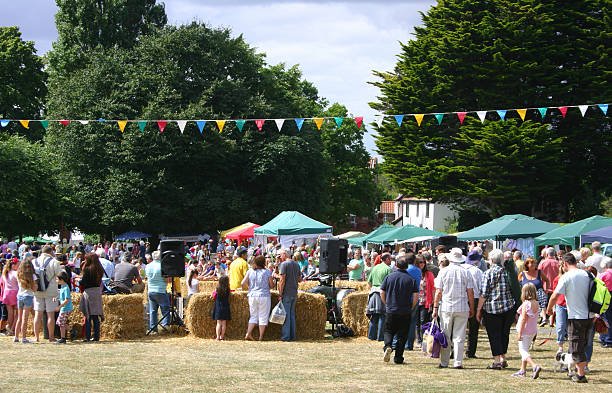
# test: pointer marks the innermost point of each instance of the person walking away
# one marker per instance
(560, 311)
(221, 310)
(399, 292)
(471, 265)
(595, 259)
(574, 284)
(290, 276)
(91, 298)
(415, 272)
(65, 306)
(25, 298)
(527, 327)
(376, 308)
(157, 292)
(427, 291)
(46, 268)
(258, 280)
(455, 289)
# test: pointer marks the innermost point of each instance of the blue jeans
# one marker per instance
(412, 329)
(589, 346)
(376, 331)
(561, 322)
(607, 338)
(288, 330)
(158, 299)
(96, 327)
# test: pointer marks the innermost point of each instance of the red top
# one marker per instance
(377, 260)
(550, 267)
(431, 289)
(561, 298)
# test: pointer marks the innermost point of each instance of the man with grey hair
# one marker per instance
(126, 273)
(290, 276)
(518, 260)
(595, 259)
(550, 268)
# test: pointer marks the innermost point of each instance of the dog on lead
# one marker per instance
(564, 361)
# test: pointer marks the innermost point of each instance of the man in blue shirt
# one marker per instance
(415, 272)
(399, 291)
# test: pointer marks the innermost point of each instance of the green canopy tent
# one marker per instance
(290, 227)
(514, 226)
(570, 234)
(356, 241)
(404, 234)
(384, 228)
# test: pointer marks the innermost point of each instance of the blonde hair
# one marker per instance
(25, 274)
(298, 257)
(561, 269)
(528, 261)
(529, 292)
(585, 252)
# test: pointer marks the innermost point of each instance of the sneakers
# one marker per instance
(60, 341)
(16, 339)
(387, 355)
(579, 379)
(536, 372)
(25, 341)
(586, 370)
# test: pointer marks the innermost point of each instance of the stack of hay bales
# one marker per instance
(353, 312)
(310, 310)
(205, 286)
(356, 285)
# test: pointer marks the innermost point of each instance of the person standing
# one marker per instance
(355, 267)
(157, 293)
(91, 298)
(399, 292)
(574, 284)
(595, 259)
(427, 292)
(416, 273)
(456, 290)
(238, 269)
(606, 277)
(258, 281)
(471, 265)
(290, 276)
(376, 308)
(44, 297)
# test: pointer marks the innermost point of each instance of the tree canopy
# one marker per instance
(478, 55)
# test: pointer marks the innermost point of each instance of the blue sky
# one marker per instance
(337, 44)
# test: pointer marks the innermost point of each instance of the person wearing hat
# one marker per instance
(238, 269)
(471, 265)
(456, 290)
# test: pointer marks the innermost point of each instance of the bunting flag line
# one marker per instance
(122, 124)
(25, 123)
(399, 119)
(543, 112)
(482, 115)
(318, 122)
(84, 122)
(162, 125)
(583, 109)
(461, 116)
(502, 114)
(359, 121)
(439, 117)
(299, 123)
(604, 108)
(563, 110)
(65, 122)
(4, 123)
(44, 123)
(338, 120)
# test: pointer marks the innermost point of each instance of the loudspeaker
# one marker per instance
(448, 241)
(333, 255)
(172, 258)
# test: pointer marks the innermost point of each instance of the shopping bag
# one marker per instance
(278, 314)
(428, 340)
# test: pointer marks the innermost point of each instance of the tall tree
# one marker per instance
(22, 82)
(477, 55)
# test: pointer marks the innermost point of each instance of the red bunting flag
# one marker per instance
(65, 122)
(461, 116)
(162, 125)
(259, 124)
(563, 110)
(359, 121)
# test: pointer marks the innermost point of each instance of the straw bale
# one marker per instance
(353, 312)
(310, 318)
(204, 286)
(356, 285)
(308, 285)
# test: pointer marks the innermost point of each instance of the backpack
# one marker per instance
(42, 282)
(599, 296)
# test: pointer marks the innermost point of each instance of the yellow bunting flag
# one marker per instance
(522, 113)
(122, 124)
(419, 118)
(25, 123)
(318, 122)
(220, 124)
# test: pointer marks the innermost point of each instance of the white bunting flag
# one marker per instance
(482, 115)
(583, 109)
(279, 123)
(181, 124)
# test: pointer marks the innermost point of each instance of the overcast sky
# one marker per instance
(337, 44)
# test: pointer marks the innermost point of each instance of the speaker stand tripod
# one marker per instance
(334, 307)
(171, 315)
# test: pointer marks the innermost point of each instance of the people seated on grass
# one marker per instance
(258, 282)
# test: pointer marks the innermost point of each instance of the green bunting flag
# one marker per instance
(338, 120)
(44, 123)
(240, 124)
(543, 112)
(142, 124)
(439, 117)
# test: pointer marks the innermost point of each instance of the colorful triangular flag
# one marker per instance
(44, 123)
(279, 123)
(502, 114)
(181, 124)
(142, 124)
(201, 124)
(543, 111)
(25, 123)
(84, 122)
(65, 122)
(162, 124)
(461, 116)
(399, 119)
(583, 109)
(359, 121)
(522, 113)
(318, 121)
(122, 124)
(259, 123)
(481, 115)
(338, 120)
(240, 124)
(439, 117)
(604, 108)
(4, 123)
(299, 123)
(419, 118)
(563, 110)
(101, 120)
(220, 124)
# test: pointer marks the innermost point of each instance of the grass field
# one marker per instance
(186, 364)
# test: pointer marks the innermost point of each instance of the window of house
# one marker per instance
(407, 207)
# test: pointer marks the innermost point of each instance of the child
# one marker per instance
(193, 283)
(221, 311)
(25, 298)
(527, 327)
(10, 289)
(65, 307)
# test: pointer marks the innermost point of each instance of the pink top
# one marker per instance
(550, 268)
(607, 278)
(531, 327)
(12, 284)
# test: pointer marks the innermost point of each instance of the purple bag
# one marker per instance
(435, 351)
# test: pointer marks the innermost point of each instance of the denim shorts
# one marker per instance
(24, 301)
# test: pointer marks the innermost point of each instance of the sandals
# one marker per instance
(520, 373)
(495, 366)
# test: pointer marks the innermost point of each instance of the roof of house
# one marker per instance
(387, 207)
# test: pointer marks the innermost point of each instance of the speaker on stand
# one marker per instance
(332, 261)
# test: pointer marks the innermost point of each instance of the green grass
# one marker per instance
(177, 364)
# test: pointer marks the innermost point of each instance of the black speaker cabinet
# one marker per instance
(333, 255)
(172, 258)
(447, 241)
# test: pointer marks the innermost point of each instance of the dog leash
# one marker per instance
(549, 336)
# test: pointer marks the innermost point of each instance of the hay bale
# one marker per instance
(308, 285)
(353, 312)
(359, 286)
(310, 316)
